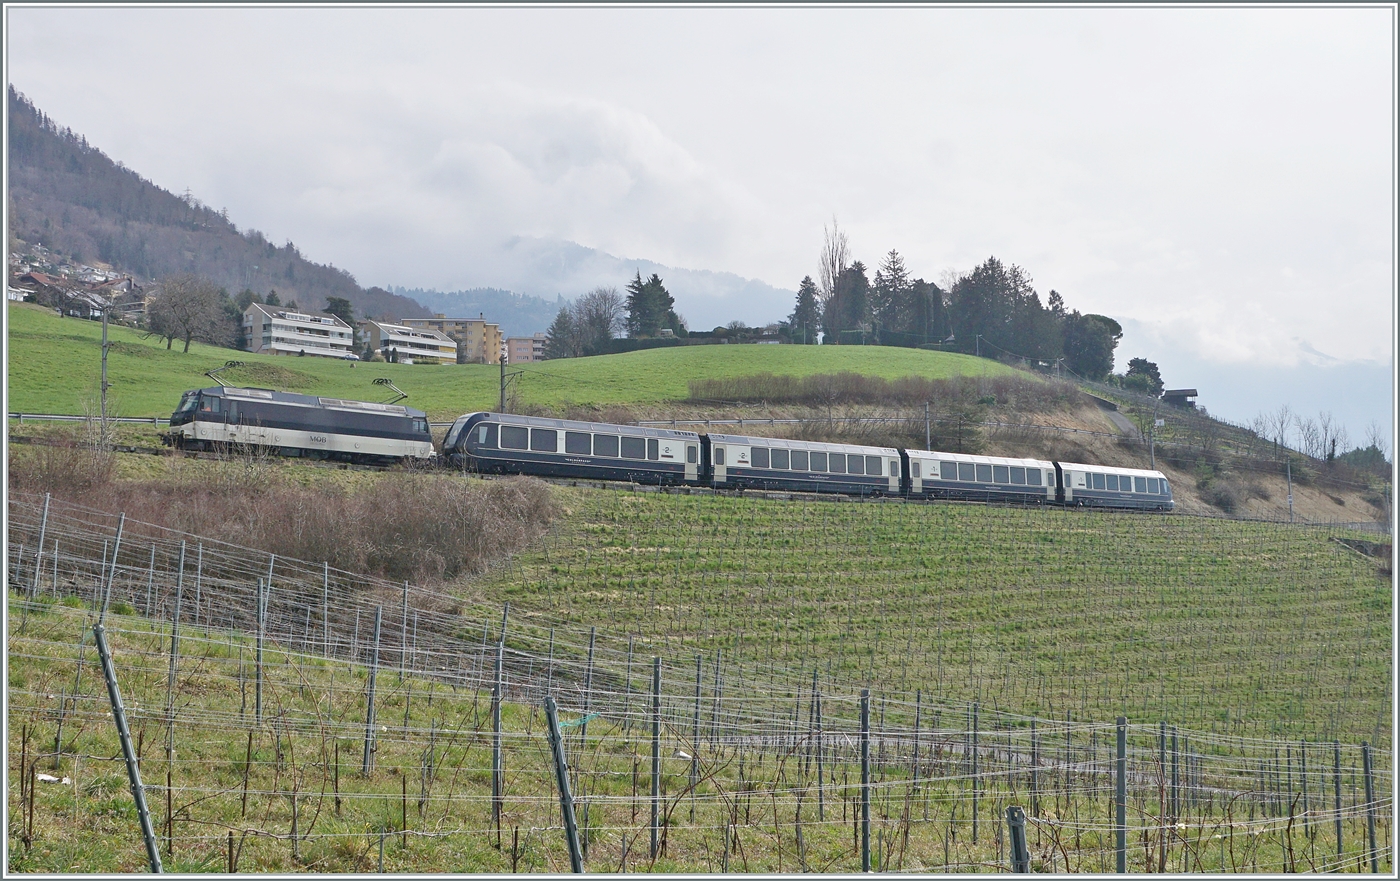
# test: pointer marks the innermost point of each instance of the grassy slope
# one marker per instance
(1235, 627)
(54, 364)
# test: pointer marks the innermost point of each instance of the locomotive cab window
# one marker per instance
(799, 460)
(420, 426)
(653, 449)
(210, 405)
(605, 445)
(817, 462)
(634, 447)
(544, 440)
(514, 437)
(780, 459)
(1162, 485)
(760, 457)
(579, 443)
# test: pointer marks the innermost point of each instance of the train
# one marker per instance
(503, 443)
(362, 432)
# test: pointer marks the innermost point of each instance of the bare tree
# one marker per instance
(1378, 437)
(1309, 437)
(836, 256)
(187, 308)
(1279, 423)
(598, 318)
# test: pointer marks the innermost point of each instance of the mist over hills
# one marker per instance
(69, 196)
(517, 314)
(549, 267)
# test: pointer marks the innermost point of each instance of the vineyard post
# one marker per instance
(174, 661)
(198, 575)
(112, 568)
(549, 667)
(587, 699)
(821, 799)
(258, 666)
(150, 578)
(1370, 806)
(133, 768)
(1303, 771)
(326, 610)
(561, 779)
(368, 762)
(403, 638)
(695, 745)
(865, 780)
(655, 754)
(714, 717)
(1020, 853)
(497, 764)
(39, 554)
(918, 713)
(974, 758)
(1337, 791)
(627, 690)
(1035, 779)
(1120, 798)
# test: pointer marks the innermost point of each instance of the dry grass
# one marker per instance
(422, 527)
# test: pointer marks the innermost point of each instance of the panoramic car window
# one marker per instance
(836, 463)
(855, 464)
(578, 442)
(1140, 484)
(818, 462)
(948, 470)
(634, 447)
(967, 471)
(1033, 476)
(780, 459)
(1152, 485)
(1098, 481)
(1018, 475)
(799, 460)
(513, 437)
(605, 445)
(760, 457)
(1112, 482)
(1001, 474)
(544, 440)
(872, 465)
(984, 473)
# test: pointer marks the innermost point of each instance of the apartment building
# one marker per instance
(270, 330)
(478, 340)
(524, 349)
(408, 345)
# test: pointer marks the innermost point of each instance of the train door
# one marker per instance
(692, 462)
(718, 452)
(1060, 495)
(893, 466)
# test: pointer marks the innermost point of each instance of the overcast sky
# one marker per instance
(1219, 180)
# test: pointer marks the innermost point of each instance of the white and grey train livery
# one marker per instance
(300, 425)
(504, 443)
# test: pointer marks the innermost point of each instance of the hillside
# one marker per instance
(69, 196)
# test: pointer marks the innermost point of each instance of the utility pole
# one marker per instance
(1152, 435)
(1288, 465)
(928, 433)
(503, 383)
(979, 345)
(105, 346)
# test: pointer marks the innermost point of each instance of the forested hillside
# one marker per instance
(69, 196)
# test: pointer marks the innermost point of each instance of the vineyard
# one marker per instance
(709, 656)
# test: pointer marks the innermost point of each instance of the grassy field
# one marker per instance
(1234, 627)
(54, 367)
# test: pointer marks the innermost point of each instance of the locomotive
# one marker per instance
(508, 444)
(300, 425)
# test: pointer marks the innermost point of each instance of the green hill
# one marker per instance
(55, 365)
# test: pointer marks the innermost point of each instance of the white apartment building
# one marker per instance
(409, 345)
(272, 330)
